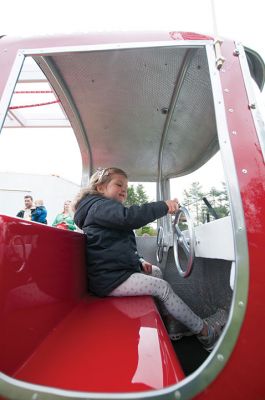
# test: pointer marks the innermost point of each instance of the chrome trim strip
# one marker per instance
(47, 66)
(113, 46)
(221, 353)
(10, 87)
(177, 88)
(257, 118)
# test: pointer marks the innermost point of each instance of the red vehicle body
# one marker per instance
(57, 341)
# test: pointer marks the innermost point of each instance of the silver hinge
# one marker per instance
(219, 59)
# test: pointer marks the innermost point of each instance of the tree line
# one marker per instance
(195, 199)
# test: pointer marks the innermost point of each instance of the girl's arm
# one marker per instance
(112, 214)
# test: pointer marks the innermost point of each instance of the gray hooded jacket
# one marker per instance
(110, 242)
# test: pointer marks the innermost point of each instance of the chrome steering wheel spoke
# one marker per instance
(180, 241)
(160, 245)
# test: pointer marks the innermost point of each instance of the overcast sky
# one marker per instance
(243, 21)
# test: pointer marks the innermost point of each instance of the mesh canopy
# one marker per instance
(123, 98)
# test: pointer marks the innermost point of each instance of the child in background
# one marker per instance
(113, 264)
(40, 213)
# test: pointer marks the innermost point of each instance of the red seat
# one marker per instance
(106, 345)
(53, 333)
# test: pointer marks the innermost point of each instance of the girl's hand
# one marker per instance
(173, 206)
(147, 267)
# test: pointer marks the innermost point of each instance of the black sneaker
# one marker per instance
(215, 324)
(176, 330)
(219, 317)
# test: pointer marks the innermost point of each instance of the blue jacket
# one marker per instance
(39, 215)
(111, 247)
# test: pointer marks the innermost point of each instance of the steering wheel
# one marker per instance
(181, 241)
(160, 244)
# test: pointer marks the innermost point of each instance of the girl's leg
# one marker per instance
(140, 284)
(156, 272)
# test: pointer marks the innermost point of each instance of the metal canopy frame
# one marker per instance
(145, 90)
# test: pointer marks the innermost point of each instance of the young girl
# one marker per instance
(114, 266)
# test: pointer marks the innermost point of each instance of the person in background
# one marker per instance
(40, 213)
(26, 213)
(64, 220)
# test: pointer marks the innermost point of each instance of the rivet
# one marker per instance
(226, 90)
(234, 132)
(236, 52)
(244, 171)
(240, 228)
(231, 110)
(177, 394)
(240, 303)
(220, 357)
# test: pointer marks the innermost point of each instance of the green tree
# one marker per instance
(142, 197)
(221, 202)
(147, 230)
(136, 195)
(131, 197)
(193, 200)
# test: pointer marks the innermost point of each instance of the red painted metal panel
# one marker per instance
(243, 375)
(106, 345)
(42, 272)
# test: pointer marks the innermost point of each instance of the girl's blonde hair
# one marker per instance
(101, 176)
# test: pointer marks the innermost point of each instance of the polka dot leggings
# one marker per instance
(140, 284)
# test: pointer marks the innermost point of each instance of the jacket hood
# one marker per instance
(83, 209)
